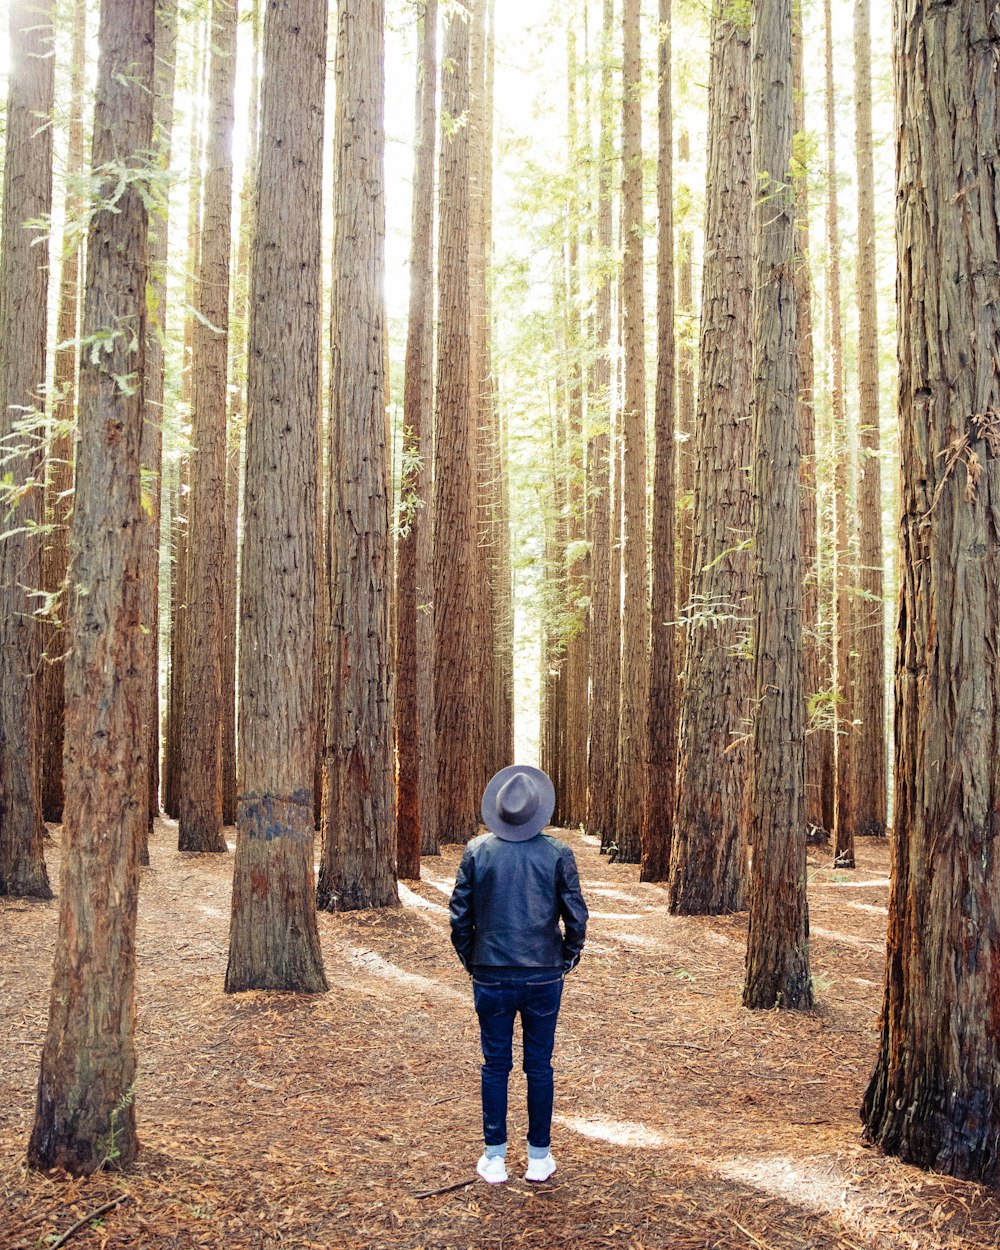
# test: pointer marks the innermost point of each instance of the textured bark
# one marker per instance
(179, 513)
(632, 724)
(273, 937)
(843, 831)
(661, 768)
(455, 710)
(85, 1111)
(481, 398)
(237, 431)
(24, 273)
(152, 426)
(934, 1097)
(603, 604)
(577, 589)
(358, 867)
(503, 587)
(777, 965)
(819, 741)
(708, 860)
(414, 658)
(685, 410)
(59, 458)
(201, 730)
(869, 759)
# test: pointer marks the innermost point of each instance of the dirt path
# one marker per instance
(683, 1121)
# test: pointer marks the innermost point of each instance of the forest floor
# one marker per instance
(682, 1120)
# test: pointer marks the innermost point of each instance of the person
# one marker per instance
(514, 885)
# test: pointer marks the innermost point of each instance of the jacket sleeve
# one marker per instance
(572, 909)
(463, 916)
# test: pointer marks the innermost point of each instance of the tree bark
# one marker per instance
(661, 776)
(603, 604)
(843, 834)
(455, 710)
(85, 1111)
(24, 276)
(235, 459)
(934, 1097)
(819, 742)
(179, 516)
(152, 426)
(273, 936)
(633, 727)
(707, 867)
(414, 661)
(201, 731)
(685, 413)
(869, 759)
(59, 459)
(777, 965)
(358, 868)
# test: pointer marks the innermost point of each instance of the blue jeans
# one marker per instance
(500, 994)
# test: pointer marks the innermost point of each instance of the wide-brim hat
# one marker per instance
(518, 803)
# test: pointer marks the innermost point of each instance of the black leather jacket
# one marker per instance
(508, 900)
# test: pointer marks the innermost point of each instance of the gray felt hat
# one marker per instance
(518, 803)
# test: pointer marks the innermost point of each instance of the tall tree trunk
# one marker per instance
(632, 725)
(603, 604)
(661, 781)
(455, 709)
(869, 760)
(59, 466)
(359, 825)
(414, 664)
(777, 965)
(842, 631)
(503, 590)
(273, 936)
(934, 1097)
(707, 866)
(236, 432)
(819, 741)
(201, 731)
(480, 384)
(685, 407)
(85, 1111)
(179, 513)
(24, 276)
(577, 591)
(152, 426)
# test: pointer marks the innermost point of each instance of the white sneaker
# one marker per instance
(493, 1171)
(540, 1169)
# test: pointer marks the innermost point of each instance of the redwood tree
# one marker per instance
(658, 818)
(777, 965)
(456, 714)
(604, 599)
(59, 456)
(708, 859)
(358, 868)
(201, 731)
(24, 272)
(869, 758)
(273, 936)
(632, 724)
(414, 642)
(934, 1097)
(85, 1112)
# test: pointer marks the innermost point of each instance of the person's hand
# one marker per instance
(570, 963)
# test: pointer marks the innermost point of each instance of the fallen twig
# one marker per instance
(92, 1215)
(445, 1189)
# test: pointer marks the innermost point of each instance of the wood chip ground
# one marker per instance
(683, 1121)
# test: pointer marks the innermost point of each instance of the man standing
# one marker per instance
(514, 885)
